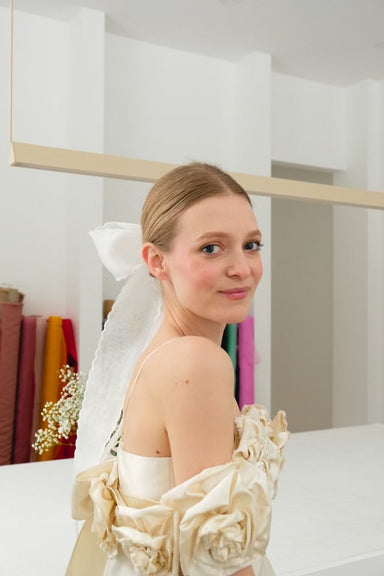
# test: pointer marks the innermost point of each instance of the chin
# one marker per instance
(237, 317)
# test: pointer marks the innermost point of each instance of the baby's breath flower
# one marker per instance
(61, 416)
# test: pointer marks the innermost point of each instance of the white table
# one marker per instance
(328, 516)
(36, 531)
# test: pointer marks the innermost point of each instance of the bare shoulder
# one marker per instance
(196, 402)
(198, 347)
(197, 359)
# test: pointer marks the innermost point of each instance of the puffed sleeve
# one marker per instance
(225, 511)
(145, 531)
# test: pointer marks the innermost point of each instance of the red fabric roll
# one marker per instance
(68, 451)
(70, 343)
(9, 354)
(25, 392)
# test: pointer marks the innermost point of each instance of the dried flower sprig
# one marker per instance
(61, 416)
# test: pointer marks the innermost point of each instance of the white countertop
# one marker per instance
(329, 509)
(328, 517)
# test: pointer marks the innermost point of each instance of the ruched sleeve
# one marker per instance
(213, 524)
(225, 511)
(145, 531)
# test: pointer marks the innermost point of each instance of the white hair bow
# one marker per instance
(131, 324)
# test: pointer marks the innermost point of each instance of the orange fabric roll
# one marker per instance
(54, 359)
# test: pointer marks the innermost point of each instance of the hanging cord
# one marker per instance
(11, 74)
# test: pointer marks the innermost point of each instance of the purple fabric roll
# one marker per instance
(246, 362)
(25, 391)
(9, 354)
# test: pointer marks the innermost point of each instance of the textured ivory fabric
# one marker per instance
(213, 524)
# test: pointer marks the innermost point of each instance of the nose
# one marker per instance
(238, 266)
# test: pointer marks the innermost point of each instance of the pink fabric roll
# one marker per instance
(25, 392)
(246, 362)
(9, 354)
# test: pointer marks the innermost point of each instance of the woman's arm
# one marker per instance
(198, 411)
(245, 572)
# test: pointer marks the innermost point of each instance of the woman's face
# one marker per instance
(214, 265)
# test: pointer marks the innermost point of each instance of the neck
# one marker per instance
(173, 325)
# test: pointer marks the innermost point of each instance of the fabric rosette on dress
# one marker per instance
(212, 524)
(258, 439)
(145, 531)
(225, 511)
(148, 536)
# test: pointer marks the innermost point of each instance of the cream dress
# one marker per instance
(139, 523)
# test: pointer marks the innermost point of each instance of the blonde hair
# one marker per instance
(176, 191)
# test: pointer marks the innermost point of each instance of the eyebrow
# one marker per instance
(218, 235)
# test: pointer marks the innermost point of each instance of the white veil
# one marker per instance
(131, 323)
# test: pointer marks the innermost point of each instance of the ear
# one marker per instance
(154, 259)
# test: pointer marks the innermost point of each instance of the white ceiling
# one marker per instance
(336, 41)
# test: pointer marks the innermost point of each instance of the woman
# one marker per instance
(190, 489)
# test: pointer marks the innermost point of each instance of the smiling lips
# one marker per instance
(235, 293)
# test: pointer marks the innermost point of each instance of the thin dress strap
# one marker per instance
(113, 442)
(132, 387)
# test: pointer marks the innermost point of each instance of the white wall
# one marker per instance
(302, 306)
(165, 104)
(44, 249)
(33, 249)
(359, 337)
(173, 106)
(308, 123)
(342, 130)
(85, 129)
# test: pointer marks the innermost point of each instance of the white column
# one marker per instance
(359, 333)
(375, 266)
(85, 193)
(253, 155)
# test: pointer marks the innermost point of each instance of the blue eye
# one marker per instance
(253, 246)
(210, 249)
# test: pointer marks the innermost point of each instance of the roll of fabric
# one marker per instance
(41, 328)
(230, 342)
(54, 359)
(246, 360)
(25, 391)
(9, 354)
(70, 343)
(68, 451)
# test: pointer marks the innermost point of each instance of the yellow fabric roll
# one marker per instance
(54, 359)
